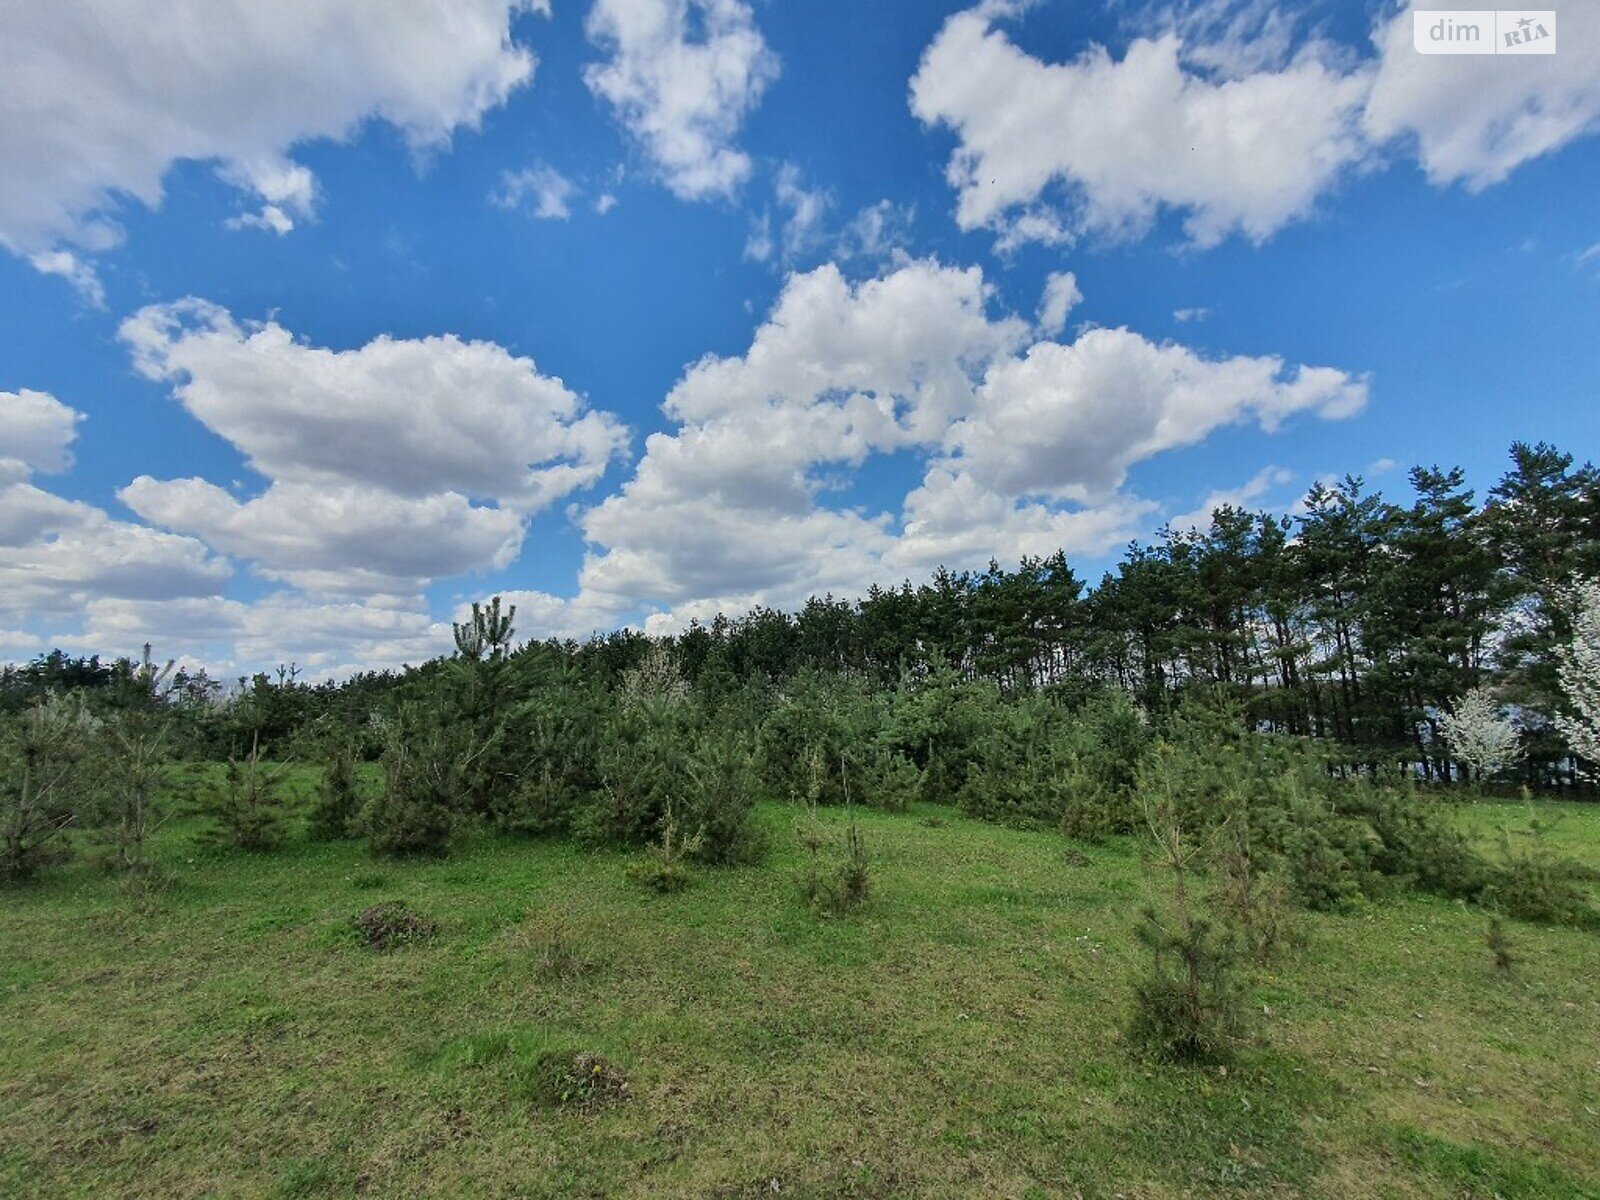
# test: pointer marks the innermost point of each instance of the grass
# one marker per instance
(960, 1037)
(1569, 829)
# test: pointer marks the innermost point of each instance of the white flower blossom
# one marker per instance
(1479, 734)
(1579, 665)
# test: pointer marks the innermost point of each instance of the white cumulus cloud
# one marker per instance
(56, 555)
(1070, 420)
(1022, 447)
(413, 416)
(325, 638)
(681, 77)
(36, 431)
(1223, 120)
(335, 539)
(102, 97)
(1473, 120)
(388, 465)
(1050, 150)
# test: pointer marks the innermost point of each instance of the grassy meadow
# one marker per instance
(232, 1036)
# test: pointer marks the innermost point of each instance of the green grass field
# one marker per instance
(959, 1038)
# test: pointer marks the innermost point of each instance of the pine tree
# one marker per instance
(1189, 1004)
(479, 679)
(1537, 520)
(1431, 609)
(1339, 539)
(337, 803)
(420, 806)
(1499, 944)
(42, 753)
(135, 749)
(247, 809)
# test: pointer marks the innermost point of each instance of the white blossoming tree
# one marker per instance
(1479, 734)
(1579, 665)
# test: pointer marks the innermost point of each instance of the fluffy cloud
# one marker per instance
(893, 351)
(683, 548)
(724, 511)
(401, 462)
(388, 465)
(745, 502)
(1223, 122)
(1475, 120)
(1095, 407)
(1125, 139)
(103, 96)
(36, 431)
(335, 539)
(412, 416)
(323, 638)
(56, 555)
(681, 77)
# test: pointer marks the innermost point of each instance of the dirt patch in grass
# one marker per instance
(386, 926)
(577, 1080)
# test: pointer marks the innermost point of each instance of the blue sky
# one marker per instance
(804, 245)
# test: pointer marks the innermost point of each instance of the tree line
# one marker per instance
(1355, 620)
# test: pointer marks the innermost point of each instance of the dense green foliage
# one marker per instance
(1280, 693)
(1358, 622)
(337, 808)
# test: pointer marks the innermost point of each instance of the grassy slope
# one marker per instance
(960, 1038)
